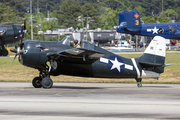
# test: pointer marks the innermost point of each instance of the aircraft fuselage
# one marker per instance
(169, 30)
(130, 23)
(12, 32)
(55, 58)
(108, 66)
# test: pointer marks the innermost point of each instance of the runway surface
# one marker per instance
(87, 101)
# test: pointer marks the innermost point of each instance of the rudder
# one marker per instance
(129, 20)
(154, 55)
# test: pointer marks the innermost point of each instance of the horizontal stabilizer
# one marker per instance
(167, 65)
(151, 64)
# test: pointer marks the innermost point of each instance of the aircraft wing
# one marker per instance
(76, 55)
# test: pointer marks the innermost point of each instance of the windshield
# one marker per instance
(172, 29)
(67, 40)
(84, 44)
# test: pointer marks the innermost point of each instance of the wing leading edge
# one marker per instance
(76, 55)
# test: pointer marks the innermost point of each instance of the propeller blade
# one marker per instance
(3, 35)
(21, 35)
(13, 59)
(25, 29)
(24, 24)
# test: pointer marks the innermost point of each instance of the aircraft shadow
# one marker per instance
(74, 87)
(158, 86)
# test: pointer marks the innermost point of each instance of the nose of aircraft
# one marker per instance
(31, 55)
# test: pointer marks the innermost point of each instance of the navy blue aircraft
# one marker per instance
(130, 23)
(9, 34)
(88, 61)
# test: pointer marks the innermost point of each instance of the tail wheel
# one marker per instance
(139, 84)
(47, 82)
(37, 82)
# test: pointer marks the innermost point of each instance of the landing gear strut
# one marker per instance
(139, 82)
(43, 80)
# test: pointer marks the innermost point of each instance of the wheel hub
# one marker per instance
(38, 82)
(47, 83)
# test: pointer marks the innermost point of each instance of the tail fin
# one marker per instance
(129, 20)
(154, 56)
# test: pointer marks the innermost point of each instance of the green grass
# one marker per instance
(19, 72)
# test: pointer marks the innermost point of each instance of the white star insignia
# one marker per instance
(116, 64)
(155, 30)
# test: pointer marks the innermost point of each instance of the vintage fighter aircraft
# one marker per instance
(130, 23)
(89, 61)
(9, 34)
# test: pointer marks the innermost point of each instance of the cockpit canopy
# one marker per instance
(68, 40)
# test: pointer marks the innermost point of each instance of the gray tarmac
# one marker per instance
(87, 101)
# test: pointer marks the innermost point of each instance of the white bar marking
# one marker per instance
(129, 67)
(104, 60)
(148, 30)
(135, 65)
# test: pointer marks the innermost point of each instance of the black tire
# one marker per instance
(139, 84)
(4, 52)
(47, 83)
(37, 82)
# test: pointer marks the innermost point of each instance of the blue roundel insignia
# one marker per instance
(116, 64)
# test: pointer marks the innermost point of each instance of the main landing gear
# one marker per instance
(37, 82)
(43, 80)
(139, 84)
(3, 51)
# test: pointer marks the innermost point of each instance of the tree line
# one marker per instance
(76, 13)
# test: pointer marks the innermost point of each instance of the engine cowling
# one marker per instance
(32, 56)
